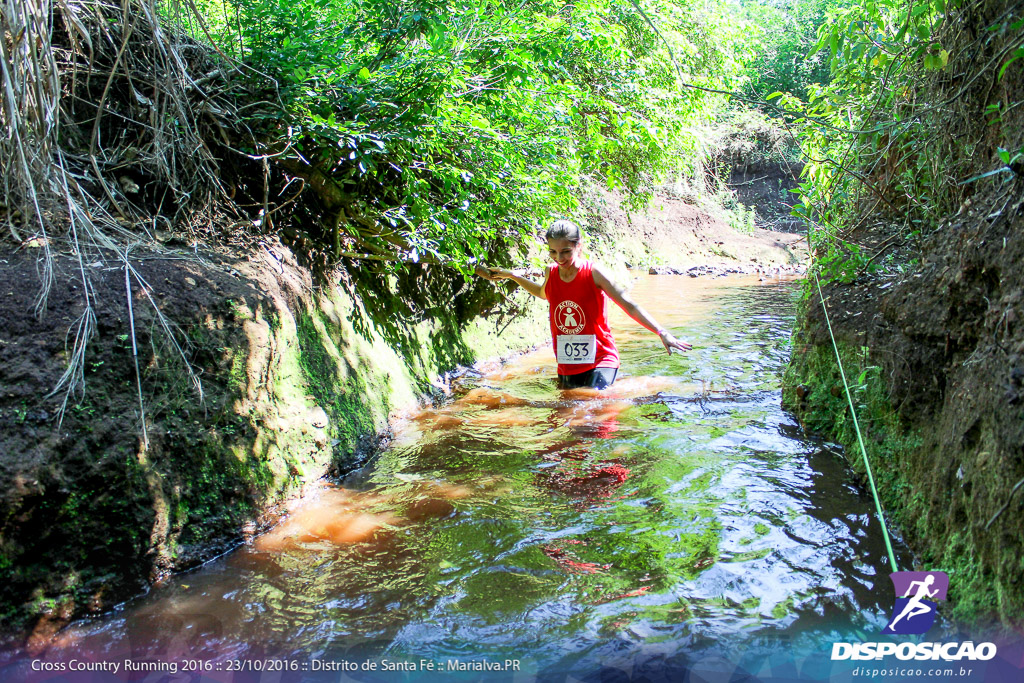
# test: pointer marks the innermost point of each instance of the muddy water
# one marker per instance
(678, 517)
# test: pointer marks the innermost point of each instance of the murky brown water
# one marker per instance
(678, 512)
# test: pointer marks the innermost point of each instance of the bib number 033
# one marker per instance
(575, 349)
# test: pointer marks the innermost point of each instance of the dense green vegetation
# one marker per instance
(437, 131)
(910, 122)
(428, 130)
(782, 54)
(418, 131)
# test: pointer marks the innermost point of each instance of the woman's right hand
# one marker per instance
(493, 273)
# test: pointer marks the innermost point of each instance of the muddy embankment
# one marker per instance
(767, 186)
(933, 345)
(936, 361)
(297, 382)
(674, 234)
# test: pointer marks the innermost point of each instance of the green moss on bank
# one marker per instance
(813, 389)
(296, 384)
(354, 399)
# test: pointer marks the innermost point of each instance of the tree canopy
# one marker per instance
(437, 130)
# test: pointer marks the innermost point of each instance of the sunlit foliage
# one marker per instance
(439, 130)
(783, 35)
(921, 109)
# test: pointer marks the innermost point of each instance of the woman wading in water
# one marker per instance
(577, 292)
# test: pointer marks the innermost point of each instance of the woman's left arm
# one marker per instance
(636, 312)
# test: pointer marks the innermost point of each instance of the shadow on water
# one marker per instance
(395, 303)
(678, 514)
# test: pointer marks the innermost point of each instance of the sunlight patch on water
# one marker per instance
(680, 507)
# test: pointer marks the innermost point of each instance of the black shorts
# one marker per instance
(598, 378)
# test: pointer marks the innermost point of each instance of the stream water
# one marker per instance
(678, 521)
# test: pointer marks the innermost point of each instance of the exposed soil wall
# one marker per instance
(675, 232)
(934, 342)
(768, 186)
(936, 359)
(297, 382)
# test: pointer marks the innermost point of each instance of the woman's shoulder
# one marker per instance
(595, 269)
(602, 278)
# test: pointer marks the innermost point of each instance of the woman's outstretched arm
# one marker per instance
(501, 274)
(636, 312)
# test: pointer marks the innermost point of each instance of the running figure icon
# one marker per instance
(915, 607)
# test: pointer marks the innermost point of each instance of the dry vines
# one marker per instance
(103, 137)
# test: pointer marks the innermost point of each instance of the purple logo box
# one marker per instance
(917, 597)
(901, 582)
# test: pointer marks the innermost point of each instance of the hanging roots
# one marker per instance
(104, 129)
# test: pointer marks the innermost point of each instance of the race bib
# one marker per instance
(576, 348)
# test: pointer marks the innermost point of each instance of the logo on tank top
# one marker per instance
(569, 318)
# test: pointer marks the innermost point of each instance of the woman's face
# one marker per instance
(563, 252)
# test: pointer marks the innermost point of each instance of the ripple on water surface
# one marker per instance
(679, 509)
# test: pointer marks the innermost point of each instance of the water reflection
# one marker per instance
(677, 510)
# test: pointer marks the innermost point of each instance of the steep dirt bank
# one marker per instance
(933, 342)
(297, 382)
(936, 357)
(768, 186)
(674, 234)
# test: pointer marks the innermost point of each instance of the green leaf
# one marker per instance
(1002, 169)
(1018, 53)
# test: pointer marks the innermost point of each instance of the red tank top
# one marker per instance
(579, 322)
